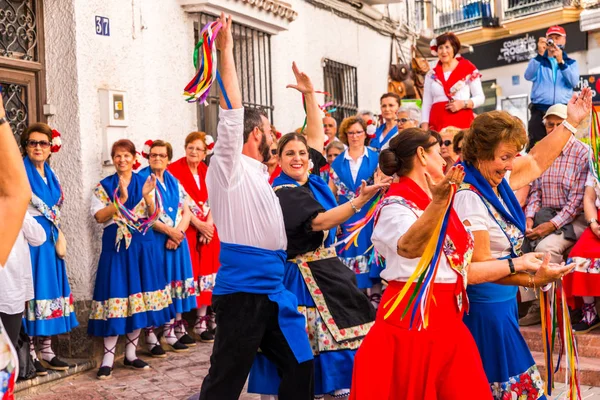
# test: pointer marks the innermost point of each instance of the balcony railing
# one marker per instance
(521, 8)
(461, 15)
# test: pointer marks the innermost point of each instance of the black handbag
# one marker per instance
(399, 69)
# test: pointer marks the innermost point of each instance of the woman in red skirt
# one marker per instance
(201, 235)
(440, 361)
(584, 282)
(452, 88)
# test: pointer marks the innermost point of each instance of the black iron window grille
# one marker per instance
(341, 84)
(18, 29)
(252, 54)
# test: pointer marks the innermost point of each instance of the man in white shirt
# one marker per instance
(16, 281)
(253, 309)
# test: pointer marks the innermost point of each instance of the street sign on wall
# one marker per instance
(102, 26)
(521, 48)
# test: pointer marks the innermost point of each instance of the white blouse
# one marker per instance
(470, 207)
(16, 281)
(355, 165)
(593, 183)
(433, 92)
(394, 221)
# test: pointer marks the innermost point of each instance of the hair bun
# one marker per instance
(389, 163)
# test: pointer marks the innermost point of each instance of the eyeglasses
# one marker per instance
(273, 152)
(198, 149)
(156, 155)
(446, 143)
(403, 120)
(355, 133)
(44, 144)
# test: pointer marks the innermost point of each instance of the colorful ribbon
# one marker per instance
(595, 144)
(424, 274)
(356, 227)
(198, 88)
(132, 220)
(556, 318)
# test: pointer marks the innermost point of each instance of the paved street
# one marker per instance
(176, 377)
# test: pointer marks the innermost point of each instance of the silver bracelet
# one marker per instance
(569, 127)
(356, 210)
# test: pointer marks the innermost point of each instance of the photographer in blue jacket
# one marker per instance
(554, 75)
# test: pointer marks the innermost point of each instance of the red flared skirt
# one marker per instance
(205, 264)
(440, 363)
(439, 117)
(585, 279)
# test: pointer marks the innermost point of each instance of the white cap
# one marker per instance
(560, 110)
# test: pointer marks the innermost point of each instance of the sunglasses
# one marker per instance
(403, 120)
(273, 152)
(44, 144)
(446, 143)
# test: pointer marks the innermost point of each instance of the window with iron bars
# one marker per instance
(252, 55)
(341, 84)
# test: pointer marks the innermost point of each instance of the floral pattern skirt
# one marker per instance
(508, 364)
(131, 289)
(178, 272)
(51, 311)
(333, 346)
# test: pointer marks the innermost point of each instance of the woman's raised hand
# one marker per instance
(579, 106)
(123, 194)
(149, 185)
(382, 182)
(303, 83)
(441, 191)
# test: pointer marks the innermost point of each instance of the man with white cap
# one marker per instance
(554, 209)
(554, 75)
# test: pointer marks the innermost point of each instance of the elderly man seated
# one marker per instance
(554, 208)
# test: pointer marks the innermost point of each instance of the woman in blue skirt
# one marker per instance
(355, 165)
(130, 292)
(487, 206)
(51, 311)
(171, 243)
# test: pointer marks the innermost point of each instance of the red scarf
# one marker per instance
(409, 190)
(181, 171)
(465, 70)
(275, 174)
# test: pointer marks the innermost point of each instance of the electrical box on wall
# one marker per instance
(114, 108)
(114, 118)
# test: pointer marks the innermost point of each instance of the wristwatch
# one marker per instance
(511, 265)
(592, 220)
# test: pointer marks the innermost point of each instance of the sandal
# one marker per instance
(177, 346)
(201, 329)
(155, 349)
(184, 338)
(105, 372)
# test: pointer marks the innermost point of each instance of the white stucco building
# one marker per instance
(80, 52)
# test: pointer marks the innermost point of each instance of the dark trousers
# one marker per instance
(535, 129)
(12, 324)
(245, 322)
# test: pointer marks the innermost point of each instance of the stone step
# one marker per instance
(588, 345)
(35, 385)
(589, 369)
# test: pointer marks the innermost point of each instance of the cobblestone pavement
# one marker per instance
(176, 377)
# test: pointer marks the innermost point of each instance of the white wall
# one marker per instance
(318, 34)
(152, 65)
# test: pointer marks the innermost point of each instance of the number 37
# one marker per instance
(102, 26)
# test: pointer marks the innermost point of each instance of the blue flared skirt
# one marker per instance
(131, 289)
(51, 311)
(360, 258)
(179, 273)
(507, 361)
(333, 363)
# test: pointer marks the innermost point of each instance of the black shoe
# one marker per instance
(135, 364)
(158, 352)
(207, 336)
(104, 373)
(187, 340)
(178, 347)
(583, 327)
(56, 364)
(39, 368)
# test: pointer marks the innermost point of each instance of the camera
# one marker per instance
(551, 43)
